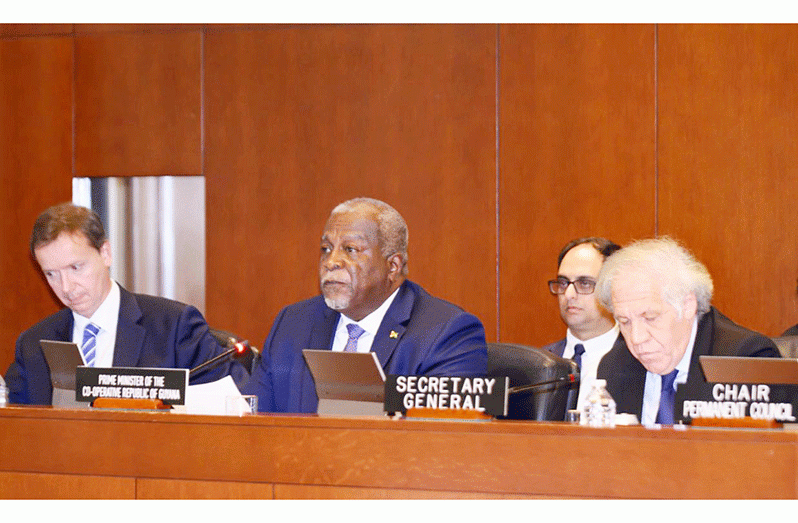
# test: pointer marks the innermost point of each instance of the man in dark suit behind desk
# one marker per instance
(592, 331)
(367, 304)
(660, 296)
(125, 329)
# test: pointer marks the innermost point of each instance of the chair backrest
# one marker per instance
(249, 361)
(788, 346)
(526, 365)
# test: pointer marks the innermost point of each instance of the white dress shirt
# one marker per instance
(370, 324)
(106, 318)
(595, 349)
(653, 386)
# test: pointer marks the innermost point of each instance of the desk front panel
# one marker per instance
(182, 456)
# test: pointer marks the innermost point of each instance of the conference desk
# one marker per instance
(55, 453)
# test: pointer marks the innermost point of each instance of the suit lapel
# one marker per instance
(559, 348)
(705, 333)
(696, 386)
(394, 324)
(626, 378)
(62, 329)
(129, 333)
(637, 385)
(323, 332)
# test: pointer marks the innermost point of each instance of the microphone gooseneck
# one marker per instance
(567, 379)
(236, 348)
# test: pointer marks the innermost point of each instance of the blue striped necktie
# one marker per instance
(355, 331)
(89, 346)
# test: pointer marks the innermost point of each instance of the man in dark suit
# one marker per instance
(112, 326)
(366, 304)
(592, 331)
(660, 296)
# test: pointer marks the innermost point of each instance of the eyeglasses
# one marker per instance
(581, 285)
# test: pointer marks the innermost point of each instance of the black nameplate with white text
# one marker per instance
(758, 401)
(167, 385)
(487, 395)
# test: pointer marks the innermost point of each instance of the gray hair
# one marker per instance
(664, 258)
(393, 235)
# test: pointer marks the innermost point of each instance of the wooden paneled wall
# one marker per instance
(497, 143)
(300, 119)
(577, 158)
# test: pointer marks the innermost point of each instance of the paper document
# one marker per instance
(210, 398)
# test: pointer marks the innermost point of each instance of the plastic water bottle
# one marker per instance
(599, 407)
(3, 393)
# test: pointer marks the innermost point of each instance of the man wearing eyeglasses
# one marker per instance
(592, 331)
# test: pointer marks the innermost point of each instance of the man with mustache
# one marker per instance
(113, 327)
(660, 295)
(592, 331)
(366, 304)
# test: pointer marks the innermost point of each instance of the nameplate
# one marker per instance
(488, 395)
(730, 401)
(167, 385)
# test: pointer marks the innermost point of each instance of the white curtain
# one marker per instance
(156, 226)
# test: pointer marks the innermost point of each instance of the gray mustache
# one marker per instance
(333, 277)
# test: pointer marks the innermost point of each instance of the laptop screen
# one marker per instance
(63, 358)
(354, 376)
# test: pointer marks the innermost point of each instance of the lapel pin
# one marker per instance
(394, 334)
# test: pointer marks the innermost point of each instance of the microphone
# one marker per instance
(567, 379)
(237, 348)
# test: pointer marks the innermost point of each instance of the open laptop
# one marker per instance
(740, 369)
(347, 383)
(63, 358)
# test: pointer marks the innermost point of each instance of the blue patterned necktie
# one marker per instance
(665, 413)
(355, 331)
(579, 349)
(89, 346)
